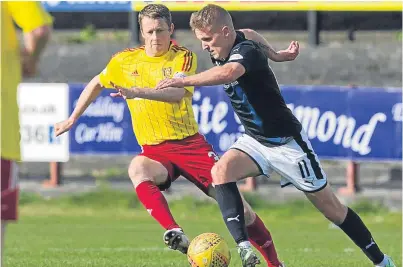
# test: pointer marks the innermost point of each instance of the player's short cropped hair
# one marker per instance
(210, 16)
(156, 11)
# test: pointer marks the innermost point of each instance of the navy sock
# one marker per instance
(230, 202)
(355, 228)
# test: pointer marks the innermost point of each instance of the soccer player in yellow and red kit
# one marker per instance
(16, 62)
(164, 125)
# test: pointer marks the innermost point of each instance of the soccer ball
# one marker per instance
(208, 250)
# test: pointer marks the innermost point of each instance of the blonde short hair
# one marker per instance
(155, 11)
(209, 17)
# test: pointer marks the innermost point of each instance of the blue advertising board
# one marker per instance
(350, 123)
(104, 128)
(87, 6)
(342, 123)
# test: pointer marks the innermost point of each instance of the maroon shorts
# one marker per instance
(9, 190)
(191, 158)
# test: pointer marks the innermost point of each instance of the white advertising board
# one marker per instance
(41, 106)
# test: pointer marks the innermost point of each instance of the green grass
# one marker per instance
(110, 228)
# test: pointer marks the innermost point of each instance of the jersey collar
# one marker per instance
(160, 58)
(240, 37)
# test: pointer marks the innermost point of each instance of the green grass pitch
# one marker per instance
(109, 228)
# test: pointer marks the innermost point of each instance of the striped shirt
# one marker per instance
(154, 121)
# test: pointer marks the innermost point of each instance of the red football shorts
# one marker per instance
(9, 190)
(191, 158)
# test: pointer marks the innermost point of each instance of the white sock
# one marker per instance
(383, 262)
(245, 244)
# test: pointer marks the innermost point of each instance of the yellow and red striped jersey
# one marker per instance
(154, 121)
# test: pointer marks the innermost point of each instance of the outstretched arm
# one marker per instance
(185, 64)
(90, 92)
(214, 76)
(288, 54)
(168, 94)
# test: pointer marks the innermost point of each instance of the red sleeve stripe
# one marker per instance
(190, 62)
(185, 61)
(188, 57)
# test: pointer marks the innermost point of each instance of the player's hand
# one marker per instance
(174, 82)
(126, 93)
(291, 52)
(63, 126)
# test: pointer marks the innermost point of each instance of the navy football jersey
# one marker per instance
(256, 96)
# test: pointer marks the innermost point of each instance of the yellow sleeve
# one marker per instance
(186, 65)
(29, 15)
(109, 74)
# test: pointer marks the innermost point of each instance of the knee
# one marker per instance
(135, 167)
(220, 174)
(144, 169)
(138, 171)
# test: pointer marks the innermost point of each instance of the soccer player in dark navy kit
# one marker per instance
(274, 139)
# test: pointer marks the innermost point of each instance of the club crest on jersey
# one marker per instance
(167, 72)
